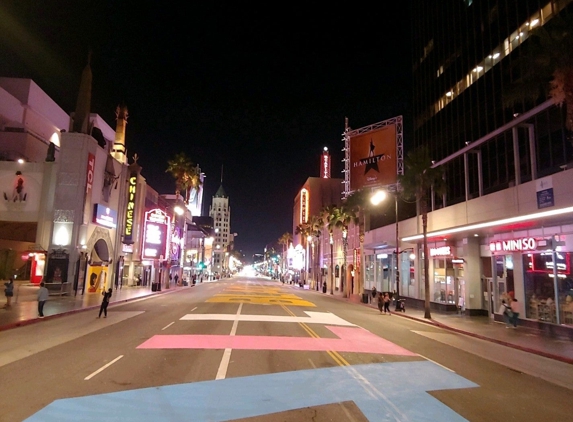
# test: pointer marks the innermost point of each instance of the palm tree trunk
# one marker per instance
(427, 314)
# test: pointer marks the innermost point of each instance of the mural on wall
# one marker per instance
(19, 191)
(97, 278)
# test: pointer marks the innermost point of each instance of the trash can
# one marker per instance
(364, 297)
(323, 287)
(154, 287)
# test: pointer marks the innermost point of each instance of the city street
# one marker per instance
(253, 349)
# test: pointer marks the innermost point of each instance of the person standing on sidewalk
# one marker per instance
(515, 308)
(380, 302)
(9, 292)
(373, 293)
(386, 301)
(104, 303)
(43, 295)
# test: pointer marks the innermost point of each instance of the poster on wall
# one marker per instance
(57, 271)
(373, 157)
(97, 279)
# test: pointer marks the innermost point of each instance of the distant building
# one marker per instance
(220, 212)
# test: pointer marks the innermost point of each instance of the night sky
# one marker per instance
(255, 90)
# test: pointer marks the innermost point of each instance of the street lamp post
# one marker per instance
(331, 265)
(308, 239)
(378, 197)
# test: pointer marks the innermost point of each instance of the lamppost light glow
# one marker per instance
(378, 197)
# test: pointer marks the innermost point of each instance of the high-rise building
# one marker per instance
(467, 57)
(220, 212)
(503, 229)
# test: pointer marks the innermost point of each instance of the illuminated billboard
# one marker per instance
(155, 234)
(374, 155)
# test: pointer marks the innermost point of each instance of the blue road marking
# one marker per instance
(383, 392)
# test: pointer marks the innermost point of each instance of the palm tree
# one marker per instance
(187, 175)
(315, 225)
(285, 240)
(326, 219)
(342, 217)
(359, 202)
(420, 177)
(546, 68)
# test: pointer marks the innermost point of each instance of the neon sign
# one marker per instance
(303, 206)
(514, 245)
(130, 209)
(441, 251)
(325, 165)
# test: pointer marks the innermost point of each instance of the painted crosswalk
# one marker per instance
(326, 318)
(368, 386)
(350, 339)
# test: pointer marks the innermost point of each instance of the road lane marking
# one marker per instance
(260, 395)
(350, 339)
(93, 374)
(433, 361)
(193, 308)
(336, 357)
(261, 300)
(327, 318)
(224, 365)
(167, 326)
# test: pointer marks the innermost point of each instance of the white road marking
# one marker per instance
(167, 326)
(102, 368)
(550, 370)
(327, 318)
(439, 364)
(193, 308)
(17, 344)
(224, 365)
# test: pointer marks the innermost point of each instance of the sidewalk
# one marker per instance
(24, 311)
(482, 327)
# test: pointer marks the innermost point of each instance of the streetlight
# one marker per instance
(376, 199)
(308, 239)
(331, 264)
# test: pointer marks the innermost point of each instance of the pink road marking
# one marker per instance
(351, 339)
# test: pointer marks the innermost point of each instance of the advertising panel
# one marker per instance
(155, 235)
(373, 158)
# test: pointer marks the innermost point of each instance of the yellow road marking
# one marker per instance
(336, 357)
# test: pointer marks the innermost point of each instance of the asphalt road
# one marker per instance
(250, 349)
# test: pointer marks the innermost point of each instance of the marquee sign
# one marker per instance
(130, 208)
(155, 234)
(514, 245)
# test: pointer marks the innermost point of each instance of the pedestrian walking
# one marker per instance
(373, 293)
(9, 292)
(380, 302)
(515, 308)
(386, 301)
(104, 303)
(43, 295)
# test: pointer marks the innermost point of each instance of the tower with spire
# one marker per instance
(220, 212)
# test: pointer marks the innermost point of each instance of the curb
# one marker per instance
(23, 323)
(443, 326)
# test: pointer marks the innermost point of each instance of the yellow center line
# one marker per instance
(340, 361)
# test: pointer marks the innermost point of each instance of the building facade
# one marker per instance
(504, 228)
(220, 212)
